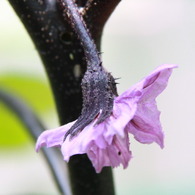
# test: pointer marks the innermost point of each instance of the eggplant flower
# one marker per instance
(106, 141)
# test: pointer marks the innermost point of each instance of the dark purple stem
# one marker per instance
(70, 11)
(63, 58)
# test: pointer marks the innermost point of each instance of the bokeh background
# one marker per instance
(140, 35)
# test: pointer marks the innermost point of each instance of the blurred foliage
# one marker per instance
(36, 93)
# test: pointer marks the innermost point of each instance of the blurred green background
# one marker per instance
(140, 35)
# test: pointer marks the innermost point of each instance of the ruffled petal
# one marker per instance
(102, 143)
(145, 125)
(123, 111)
(80, 144)
(53, 137)
(113, 155)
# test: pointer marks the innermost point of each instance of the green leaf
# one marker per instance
(36, 93)
(33, 90)
(12, 132)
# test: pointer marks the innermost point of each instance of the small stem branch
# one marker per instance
(96, 14)
(34, 128)
(70, 10)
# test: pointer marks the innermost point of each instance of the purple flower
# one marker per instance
(107, 143)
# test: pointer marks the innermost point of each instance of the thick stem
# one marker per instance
(63, 58)
(60, 51)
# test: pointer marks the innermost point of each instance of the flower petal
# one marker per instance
(113, 155)
(53, 137)
(103, 145)
(145, 125)
(80, 144)
(123, 111)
